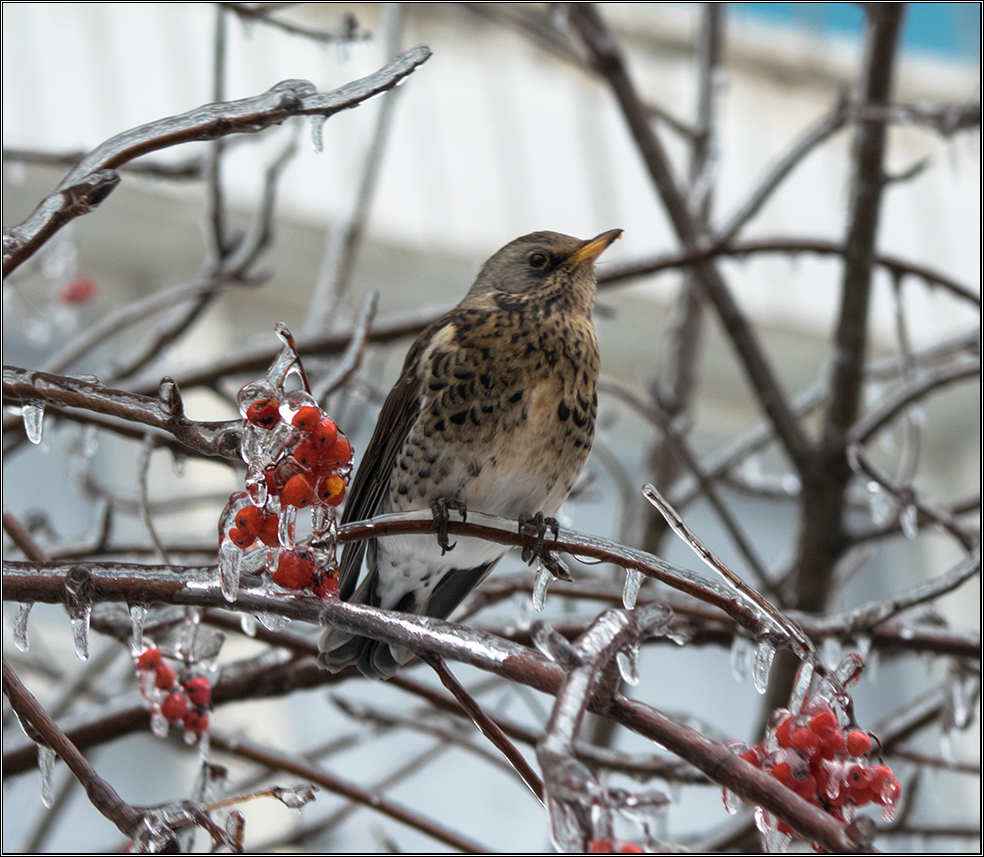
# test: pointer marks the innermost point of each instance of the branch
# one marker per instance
(95, 178)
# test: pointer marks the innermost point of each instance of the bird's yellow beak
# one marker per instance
(595, 247)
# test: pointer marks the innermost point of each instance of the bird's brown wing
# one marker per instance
(371, 482)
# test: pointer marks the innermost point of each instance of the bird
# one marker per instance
(493, 412)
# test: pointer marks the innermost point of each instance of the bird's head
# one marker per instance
(542, 270)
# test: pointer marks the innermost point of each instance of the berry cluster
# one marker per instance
(183, 702)
(613, 846)
(825, 763)
(296, 458)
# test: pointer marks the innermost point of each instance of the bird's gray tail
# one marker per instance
(341, 649)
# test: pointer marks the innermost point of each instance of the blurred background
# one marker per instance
(502, 132)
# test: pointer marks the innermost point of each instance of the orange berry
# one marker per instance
(297, 492)
(306, 418)
(264, 413)
(820, 723)
(807, 789)
(784, 774)
(199, 690)
(269, 533)
(340, 452)
(294, 572)
(165, 677)
(325, 433)
(240, 538)
(806, 741)
(196, 722)
(332, 490)
(858, 743)
(249, 519)
(324, 584)
(307, 454)
(833, 744)
(752, 756)
(174, 707)
(81, 290)
(150, 659)
(784, 733)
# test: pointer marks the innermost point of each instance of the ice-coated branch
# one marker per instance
(607, 59)
(166, 412)
(101, 794)
(96, 177)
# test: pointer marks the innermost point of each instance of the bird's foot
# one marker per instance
(441, 509)
(538, 525)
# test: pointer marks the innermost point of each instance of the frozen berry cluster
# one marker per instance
(825, 762)
(296, 458)
(184, 701)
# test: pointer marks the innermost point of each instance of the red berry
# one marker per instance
(174, 707)
(752, 756)
(834, 744)
(249, 519)
(264, 413)
(806, 741)
(807, 789)
(294, 572)
(340, 452)
(325, 584)
(858, 743)
(149, 659)
(324, 433)
(165, 677)
(240, 538)
(195, 721)
(820, 723)
(297, 492)
(782, 772)
(81, 290)
(784, 733)
(269, 533)
(306, 418)
(199, 690)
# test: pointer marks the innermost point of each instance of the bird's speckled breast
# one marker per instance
(507, 415)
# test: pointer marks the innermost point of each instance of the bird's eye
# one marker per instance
(539, 260)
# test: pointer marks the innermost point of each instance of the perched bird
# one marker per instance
(494, 412)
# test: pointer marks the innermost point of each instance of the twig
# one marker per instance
(101, 794)
(89, 183)
(488, 727)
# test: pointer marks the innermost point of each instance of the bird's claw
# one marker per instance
(441, 509)
(539, 524)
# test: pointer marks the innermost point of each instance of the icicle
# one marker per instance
(764, 653)
(235, 827)
(554, 646)
(774, 841)
(540, 584)
(248, 624)
(33, 416)
(286, 525)
(628, 663)
(78, 600)
(881, 503)
(741, 658)
(138, 615)
(831, 652)
(297, 797)
(230, 559)
(801, 688)
(849, 670)
(272, 621)
(20, 626)
(909, 519)
(630, 592)
(732, 803)
(158, 722)
(46, 767)
(317, 133)
(179, 463)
